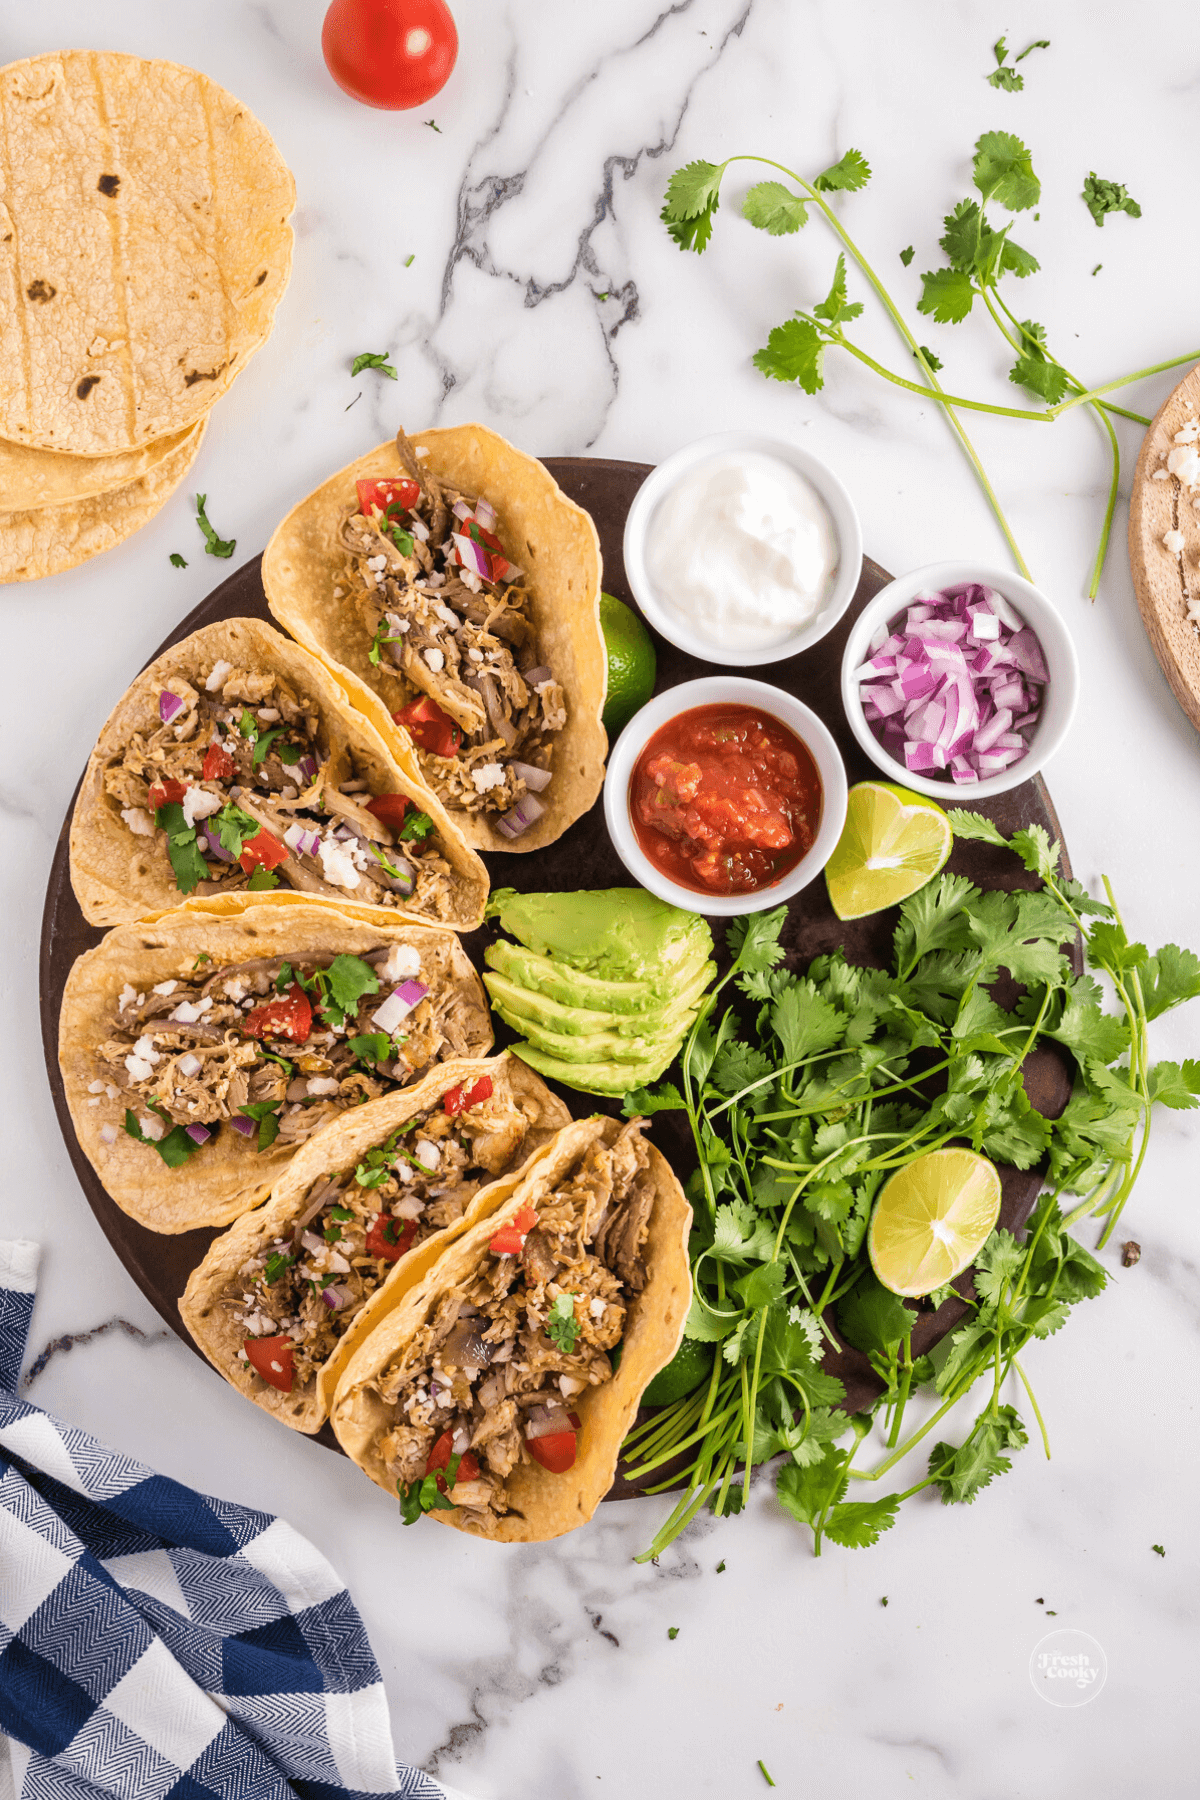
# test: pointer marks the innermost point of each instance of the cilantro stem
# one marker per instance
(1037, 1411)
(1089, 395)
(938, 395)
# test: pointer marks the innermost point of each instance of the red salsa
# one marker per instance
(725, 799)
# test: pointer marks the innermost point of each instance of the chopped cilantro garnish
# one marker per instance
(409, 260)
(373, 1046)
(381, 1159)
(247, 724)
(277, 1263)
(389, 867)
(265, 1112)
(1103, 197)
(766, 1775)
(672, 1632)
(234, 828)
(203, 957)
(213, 545)
(261, 878)
(343, 984)
(174, 1148)
(263, 742)
(186, 861)
(1158, 1550)
(373, 359)
(425, 1495)
(562, 1327)
(416, 825)
(434, 126)
(271, 1056)
(341, 1212)
(177, 561)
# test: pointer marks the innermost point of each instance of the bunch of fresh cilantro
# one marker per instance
(980, 254)
(804, 1096)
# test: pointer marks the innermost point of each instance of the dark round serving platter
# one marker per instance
(584, 858)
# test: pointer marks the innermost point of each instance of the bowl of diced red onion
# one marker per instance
(959, 680)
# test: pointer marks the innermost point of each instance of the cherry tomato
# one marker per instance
(264, 851)
(430, 727)
(390, 53)
(389, 1239)
(439, 1458)
(373, 495)
(458, 1099)
(389, 809)
(218, 764)
(165, 793)
(290, 1017)
(510, 1239)
(555, 1451)
(272, 1359)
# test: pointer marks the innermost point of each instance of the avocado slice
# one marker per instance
(608, 1078)
(577, 988)
(625, 934)
(673, 1018)
(591, 1046)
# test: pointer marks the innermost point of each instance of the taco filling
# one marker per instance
(454, 650)
(489, 1381)
(274, 1048)
(241, 786)
(295, 1298)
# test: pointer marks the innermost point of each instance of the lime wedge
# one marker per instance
(893, 842)
(932, 1219)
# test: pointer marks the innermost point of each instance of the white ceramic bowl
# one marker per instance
(655, 488)
(1061, 695)
(715, 690)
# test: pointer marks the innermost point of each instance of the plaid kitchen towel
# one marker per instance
(162, 1645)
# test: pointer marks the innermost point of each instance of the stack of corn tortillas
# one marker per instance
(144, 247)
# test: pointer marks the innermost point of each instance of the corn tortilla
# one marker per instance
(542, 1505)
(144, 247)
(226, 1176)
(339, 1147)
(548, 536)
(51, 539)
(32, 479)
(118, 877)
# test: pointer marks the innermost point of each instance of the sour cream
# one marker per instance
(742, 550)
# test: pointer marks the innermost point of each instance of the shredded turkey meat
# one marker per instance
(245, 752)
(500, 1362)
(435, 624)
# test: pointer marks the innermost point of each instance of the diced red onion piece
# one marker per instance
(485, 512)
(333, 1296)
(534, 778)
(543, 1421)
(214, 843)
(398, 1005)
(461, 510)
(199, 1134)
(1027, 653)
(246, 1126)
(168, 705)
(521, 816)
(307, 767)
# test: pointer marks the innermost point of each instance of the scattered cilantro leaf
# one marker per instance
(416, 825)
(213, 545)
(835, 309)
(672, 1632)
(373, 359)
(934, 362)
(850, 173)
(261, 879)
(1158, 1550)
(794, 351)
(1104, 197)
(562, 1327)
(265, 1112)
(907, 255)
(947, 295)
(859, 1523)
(1003, 171)
(176, 561)
(692, 197)
(960, 1474)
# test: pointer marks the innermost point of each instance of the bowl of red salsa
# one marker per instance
(725, 795)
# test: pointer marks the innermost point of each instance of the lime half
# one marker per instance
(932, 1219)
(632, 664)
(893, 842)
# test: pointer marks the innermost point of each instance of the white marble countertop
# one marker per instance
(545, 299)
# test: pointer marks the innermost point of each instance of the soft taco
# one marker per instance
(492, 1396)
(283, 1299)
(457, 590)
(236, 762)
(200, 1050)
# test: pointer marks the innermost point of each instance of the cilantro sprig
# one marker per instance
(562, 1327)
(980, 254)
(428, 1494)
(374, 359)
(1006, 75)
(213, 545)
(809, 1090)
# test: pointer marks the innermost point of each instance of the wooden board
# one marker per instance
(1163, 582)
(584, 858)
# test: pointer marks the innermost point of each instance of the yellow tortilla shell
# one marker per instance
(546, 534)
(542, 1505)
(30, 479)
(52, 539)
(144, 246)
(118, 877)
(338, 1147)
(227, 1175)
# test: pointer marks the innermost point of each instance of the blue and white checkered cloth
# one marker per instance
(158, 1644)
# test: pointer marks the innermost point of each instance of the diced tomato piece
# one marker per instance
(555, 1451)
(263, 851)
(379, 495)
(510, 1239)
(218, 764)
(389, 1238)
(389, 809)
(272, 1359)
(430, 727)
(166, 793)
(439, 1458)
(458, 1099)
(290, 1017)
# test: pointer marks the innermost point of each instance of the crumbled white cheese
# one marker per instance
(596, 1307)
(127, 995)
(108, 1134)
(1184, 464)
(470, 580)
(1189, 433)
(475, 655)
(189, 1065)
(235, 988)
(569, 1386)
(375, 563)
(422, 452)
(1160, 475)
(1174, 542)
(152, 1127)
(164, 987)
(186, 1013)
(445, 613)
(427, 1153)
(403, 961)
(487, 775)
(95, 1087)
(268, 714)
(145, 1047)
(337, 864)
(434, 658)
(322, 1084)
(411, 1206)
(198, 803)
(138, 821)
(220, 672)
(338, 592)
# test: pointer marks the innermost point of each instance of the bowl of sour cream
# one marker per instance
(742, 549)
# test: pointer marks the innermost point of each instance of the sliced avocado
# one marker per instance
(574, 1021)
(576, 988)
(590, 1046)
(609, 1078)
(622, 934)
